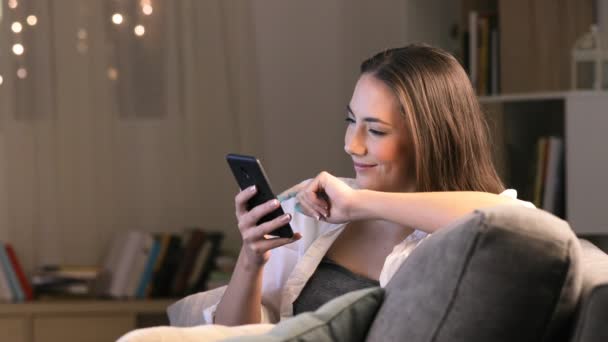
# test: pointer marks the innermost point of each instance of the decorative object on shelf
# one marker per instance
(589, 66)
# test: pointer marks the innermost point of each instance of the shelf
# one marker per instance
(84, 306)
(540, 96)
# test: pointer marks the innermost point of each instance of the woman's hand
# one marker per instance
(256, 247)
(327, 197)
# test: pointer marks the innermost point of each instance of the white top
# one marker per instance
(290, 266)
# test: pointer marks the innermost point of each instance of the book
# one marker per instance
(494, 60)
(72, 271)
(6, 295)
(195, 240)
(112, 261)
(17, 292)
(138, 265)
(201, 260)
(554, 175)
(149, 267)
(162, 280)
(120, 263)
(164, 239)
(541, 162)
(23, 281)
(473, 48)
(209, 264)
(483, 58)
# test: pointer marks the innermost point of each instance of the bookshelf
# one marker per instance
(518, 121)
(143, 273)
(521, 46)
(517, 53)
(71, 320)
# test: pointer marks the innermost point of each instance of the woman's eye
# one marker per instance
(349, 120)
(378, 133)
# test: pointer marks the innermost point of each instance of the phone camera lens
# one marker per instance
(245, 173)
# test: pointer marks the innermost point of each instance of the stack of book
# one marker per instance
(67, 281)
(14, 285)
(146, 265)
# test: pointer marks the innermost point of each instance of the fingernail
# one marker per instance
(275, 203)
(318, 217)
(286, 218)
(251, 188)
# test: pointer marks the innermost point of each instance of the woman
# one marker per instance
(418, 142)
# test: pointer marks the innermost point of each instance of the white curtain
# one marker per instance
(111, 131)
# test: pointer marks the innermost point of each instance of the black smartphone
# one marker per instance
(248, 171)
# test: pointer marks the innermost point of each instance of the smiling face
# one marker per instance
(376, 138)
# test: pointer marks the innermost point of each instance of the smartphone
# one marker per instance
(248, 171)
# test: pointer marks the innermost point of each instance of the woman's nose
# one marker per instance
(355, 144)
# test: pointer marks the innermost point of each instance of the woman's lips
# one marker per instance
(363, 167)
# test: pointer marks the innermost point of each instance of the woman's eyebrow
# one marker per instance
(367, 118)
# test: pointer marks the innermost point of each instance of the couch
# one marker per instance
(506, 273)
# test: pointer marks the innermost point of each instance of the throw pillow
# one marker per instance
(346, 318)
(507, 273)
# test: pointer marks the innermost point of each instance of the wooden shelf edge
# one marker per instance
(86, 306)
(538, 96)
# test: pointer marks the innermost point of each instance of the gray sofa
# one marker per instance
(501, 274)
(506, 273)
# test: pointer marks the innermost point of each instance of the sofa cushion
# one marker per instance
(346, 318)
(506, 273)
(593, 308)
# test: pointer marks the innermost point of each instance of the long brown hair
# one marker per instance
(448, 132)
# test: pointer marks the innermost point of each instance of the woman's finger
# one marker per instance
(267, 244)
(312, 195)
(240, 200)
(318, 202)
(308, 208)
(268, 227)
(251, 218)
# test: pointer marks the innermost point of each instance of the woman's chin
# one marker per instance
(367, 184)
(363, 183)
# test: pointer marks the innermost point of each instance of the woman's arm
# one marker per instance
(426, 211)
(327, 197)
(242, 301)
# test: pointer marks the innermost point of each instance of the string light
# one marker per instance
(117, 18)
(147, 9)
(32, 20)
(112, 73)
(18, 49)
(139, 30)
(82, 34)
(82, 45)
(22, 73)
(16, 27)
(1, 79)
(12, 4)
